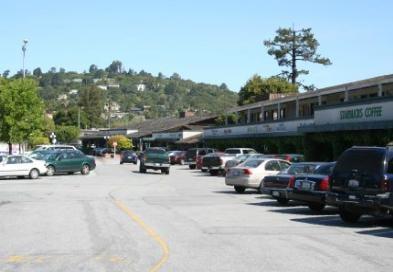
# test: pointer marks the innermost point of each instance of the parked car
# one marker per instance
(311, 188)
(239, 151)
(277, 185)
(177, 157)
(193, 153)
(128, 156)
(215, 162)
(291, 157)
(155, 159)
(21, 166)
(101, 151)
(69, 161)
(251, 173)
(242, 158)
(362, 183)
(54, 147)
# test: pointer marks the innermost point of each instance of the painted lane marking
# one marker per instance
(153, 234)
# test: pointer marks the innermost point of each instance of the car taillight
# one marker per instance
(324, 184)
(247, 172)
(385, 185)
(291, 182)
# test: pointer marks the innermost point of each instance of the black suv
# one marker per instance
(362, 182)
(193, 153)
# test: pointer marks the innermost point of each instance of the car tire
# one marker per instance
(213, 172)
(70, 173)
(192, 166)
(165, 171)
(51, 170)
(121, 162)
(349, 216)
(142, 170)
(85, 169)
(239, 189)
(282, 201)
(34, 174)
(204, 170)
(316, 207)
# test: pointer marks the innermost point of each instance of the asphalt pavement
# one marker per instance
(116, 219)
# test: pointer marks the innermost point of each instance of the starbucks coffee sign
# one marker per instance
(359, 113)
(378, 111)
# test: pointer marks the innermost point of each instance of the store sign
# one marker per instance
(168, 135)
(380, 111)
(262, 129)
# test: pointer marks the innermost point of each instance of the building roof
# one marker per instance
(323, 91)
(147, 127)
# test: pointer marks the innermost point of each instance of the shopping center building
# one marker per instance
(319, 123)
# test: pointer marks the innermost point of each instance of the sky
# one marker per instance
(214, 41)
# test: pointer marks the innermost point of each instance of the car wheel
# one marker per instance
(51, 170)
(349, 216)
(192, 166)
(142, 170)
(282, 201)
(121, 162)
(204, 170)
(85, 169)
(213, 172)
(167, 171)
(34, 174)
(316, 207)
(239, 189)
(70, 173)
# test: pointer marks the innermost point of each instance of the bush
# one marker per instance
(67, 134)
(123, 143)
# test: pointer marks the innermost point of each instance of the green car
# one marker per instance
(155, 159)
(68, 161)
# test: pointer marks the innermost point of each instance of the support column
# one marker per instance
(278, 111)
(248, 116)
(226, 120)
(297, 107)
(319, 100)
(346, 98)
(380, 90)
(262, 114)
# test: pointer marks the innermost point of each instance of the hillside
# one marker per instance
(130, 93)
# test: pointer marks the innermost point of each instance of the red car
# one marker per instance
(177, 157)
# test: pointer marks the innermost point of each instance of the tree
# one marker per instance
(21, 110)
(6, 73)
(258, 89)
(290, 46)
(123, 143)
(69, 117)
(37, 72)
(38, 139)
(92, 103)
(67, 134)
(93, 68)
(115, 67)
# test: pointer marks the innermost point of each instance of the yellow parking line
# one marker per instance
(154, 235)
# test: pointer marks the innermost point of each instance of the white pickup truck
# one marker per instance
(215, 162)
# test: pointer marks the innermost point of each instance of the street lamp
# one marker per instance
(53, 138)
(24, 53)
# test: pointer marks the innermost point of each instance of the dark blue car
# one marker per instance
(128, 157)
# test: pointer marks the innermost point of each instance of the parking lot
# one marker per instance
(116, 219)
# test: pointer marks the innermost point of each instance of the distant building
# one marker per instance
(114, 107)
(185, 114)
(141, 87)
(102, 87)
(73, 92)
(62, 97)
(77, 80)
(113, 86)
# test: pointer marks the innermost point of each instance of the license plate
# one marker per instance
(275, 193)
(306, 185)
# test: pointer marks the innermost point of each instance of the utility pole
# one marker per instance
(23, 60)
(79, 117)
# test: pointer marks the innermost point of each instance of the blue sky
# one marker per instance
(206, 41)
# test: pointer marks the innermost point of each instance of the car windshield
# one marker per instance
(325, 169)
(252, 163)
(159, 151)
(296, 169)
(362, 160)
(232, 151)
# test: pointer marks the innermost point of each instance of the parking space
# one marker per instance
(117, 219)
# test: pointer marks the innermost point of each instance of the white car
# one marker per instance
(18, 166)
(250, 173)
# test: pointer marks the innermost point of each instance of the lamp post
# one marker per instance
(23, 59)
(53, 138)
